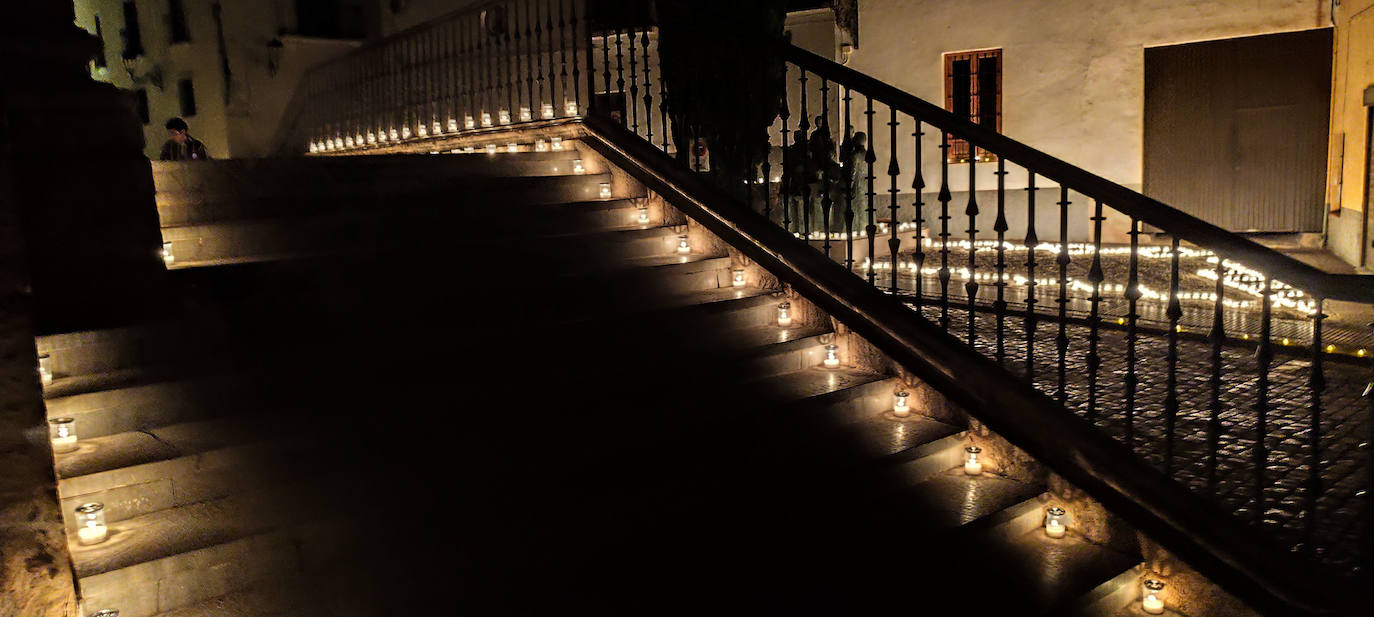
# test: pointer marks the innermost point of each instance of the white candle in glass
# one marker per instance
(570, 108)
(899, 404)
(972, 466)
(90, 521)
(525, 114)
(1152, 603)
(1054, 522)
(541, 146)
(63, 434)
(557, 143)
(684, 245)
(785, 314)
(512, 147)
(832, 356)
(643, 215)
(605, 190)
(491, 148)
(45, 369)
(547, 111)
(578, 168)
(486, 118)
(503, 116)
(737, 277)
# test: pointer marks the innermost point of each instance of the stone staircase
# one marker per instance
(391, 413)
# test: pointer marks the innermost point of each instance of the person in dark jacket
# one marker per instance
(180, 146)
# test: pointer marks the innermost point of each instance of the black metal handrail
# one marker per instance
(1349, 287)
(1180, 403)
(1201, 533)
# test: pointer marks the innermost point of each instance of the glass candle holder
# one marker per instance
(1056, 522)
(452, 125)
(785, 314)
(546, 111)
(90, 523)
(737, 277)
(973, 466)
(832, 356)
(167, 256)
(541, 146)
(605, 190)
(525, 114)
(486, 118)
(395, 135)
(570, 108)
(62, 431)
(512, 147)
(329, 145)
(469, 150)
(578, 168)
(436, 128)
(314, 147)
(421, 130)
(348, 141)
(469, 123)
(45, 368)
(371, 138)
(684, 245)
(503, 116)
(491, 148)
(556, 143)
(643, 214)
(1152, 596)
(405, 132)
(900, 408)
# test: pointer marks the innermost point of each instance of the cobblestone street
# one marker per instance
(1345, 421)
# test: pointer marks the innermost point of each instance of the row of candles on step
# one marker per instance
(503, 117)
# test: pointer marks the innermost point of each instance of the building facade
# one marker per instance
(228, 68)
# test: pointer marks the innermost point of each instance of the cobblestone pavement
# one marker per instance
(1287, 479)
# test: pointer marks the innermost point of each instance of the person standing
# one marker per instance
(180, 146)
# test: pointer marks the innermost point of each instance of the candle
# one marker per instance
(541, 146)
(972, 466)
(452, 125)
(503, 116)
(63, 434)
(167, 256)
(605, 190)
(90, 521)
(737, 277)
(491, 148)
(1054, 522)
(486, 119)
(45, 369)
(1152, 603)
(577, 167)
(525, 114)
(683, 244)
(643, 214)
(832, 355)
(92, 534)
(512, 147)
(557, 143)
(547, 111)
(469, 123)
(785, 314)
(899, 404)
(570, 107)
(405, 132)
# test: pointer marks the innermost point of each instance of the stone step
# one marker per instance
(1046, 574)
(107, 453)
(953, 498)
(469, 195)
(192, 477)
(768, 350)
(177, 557)
(102, 359)
(147, 406)
(1115, 597)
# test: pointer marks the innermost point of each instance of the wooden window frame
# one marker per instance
(959, 150)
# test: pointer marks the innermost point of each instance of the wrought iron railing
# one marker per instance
(1203, 353)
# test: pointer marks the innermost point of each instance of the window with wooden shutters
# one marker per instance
(973, 90)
